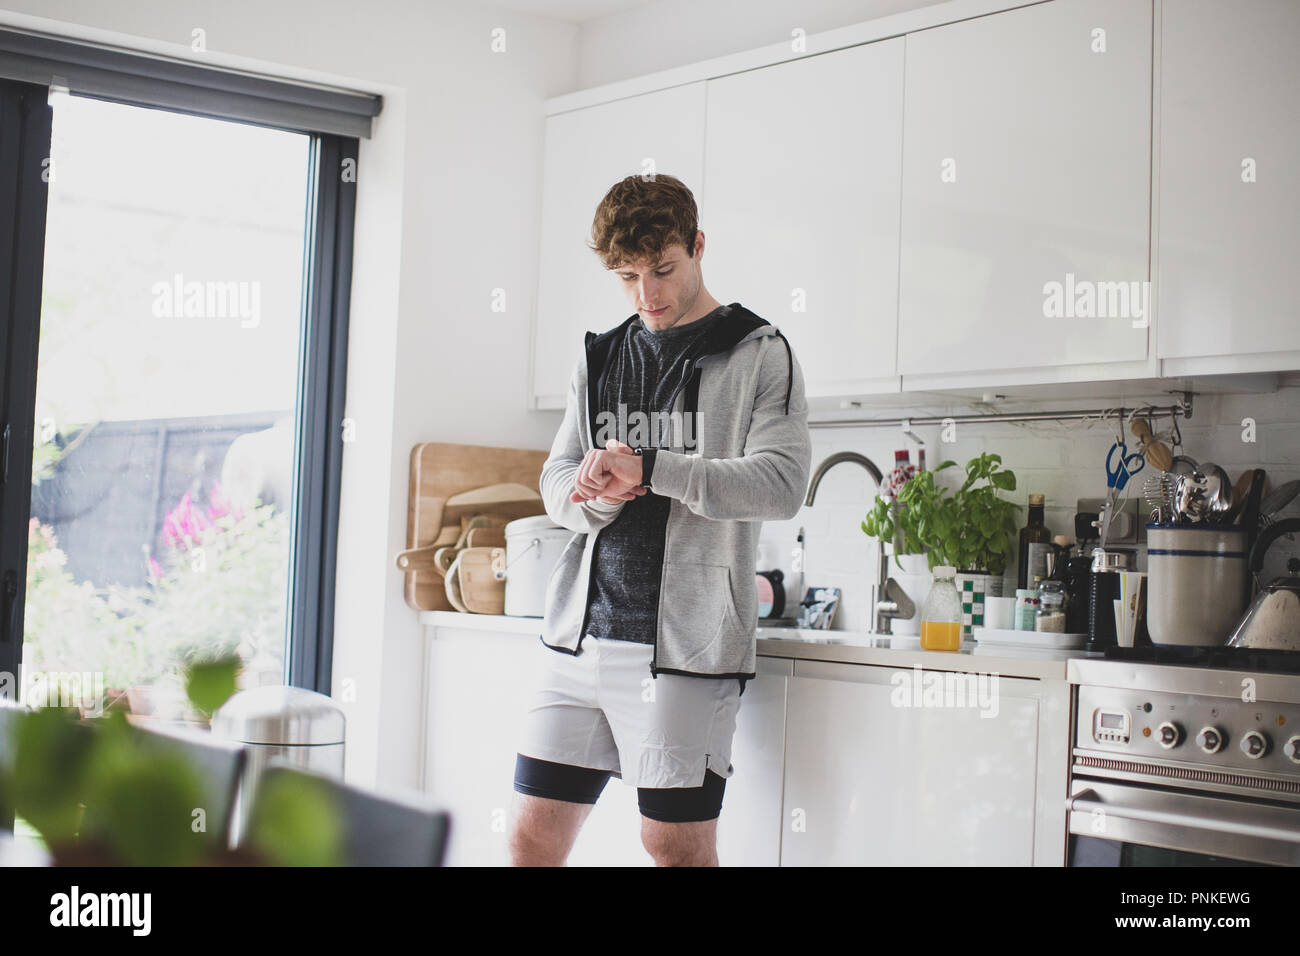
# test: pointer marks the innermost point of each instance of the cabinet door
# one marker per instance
(478, 687)
(874, 778)
(800, 211)
(587, 152)
(1229, 238)
(1026, 193)
(749, 830)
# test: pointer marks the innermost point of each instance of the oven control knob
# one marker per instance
(1210, 739)
(1171, 735)
(1292, 749)
(1254, 744)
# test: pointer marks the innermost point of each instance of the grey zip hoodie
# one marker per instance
(744, 460)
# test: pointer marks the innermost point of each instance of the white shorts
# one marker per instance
(601, 709)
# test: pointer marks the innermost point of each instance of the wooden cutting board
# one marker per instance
(442, 470)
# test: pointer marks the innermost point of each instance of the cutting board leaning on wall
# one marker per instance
(441, 471)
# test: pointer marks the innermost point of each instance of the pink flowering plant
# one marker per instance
(217, 588)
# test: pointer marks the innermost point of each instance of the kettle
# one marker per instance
(1273, 620)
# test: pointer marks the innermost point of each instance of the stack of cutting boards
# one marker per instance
(461, 498)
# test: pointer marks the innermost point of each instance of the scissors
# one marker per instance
(1119, 472)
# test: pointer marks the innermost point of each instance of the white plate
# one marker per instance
(1046, 640)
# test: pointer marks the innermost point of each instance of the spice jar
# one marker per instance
(1051, 608)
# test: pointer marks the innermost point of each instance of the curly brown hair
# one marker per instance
(640, 218)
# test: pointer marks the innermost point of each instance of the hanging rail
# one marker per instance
(1183, 409)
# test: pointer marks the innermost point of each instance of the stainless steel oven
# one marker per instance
(1177, 765)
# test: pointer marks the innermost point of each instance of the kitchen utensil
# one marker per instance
(1156, 452)
(1276, 500)
(1218, 493)
(1273, 620)
(1196, 583)
(472, 582)
(439, 471)
(1189, 498)
(1158, 490)
(1239, 491)
(1122, 466)
(1183, 465)
(1250, 511)
(1103, 590)
(1078, 582)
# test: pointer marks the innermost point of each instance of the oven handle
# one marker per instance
(1086, 801)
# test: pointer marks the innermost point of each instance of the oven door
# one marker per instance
(1124, 824)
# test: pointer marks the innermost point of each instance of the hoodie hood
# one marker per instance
(734, 326)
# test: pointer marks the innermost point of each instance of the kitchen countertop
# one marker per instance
(847, 647)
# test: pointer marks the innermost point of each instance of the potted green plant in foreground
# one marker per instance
(98, 793)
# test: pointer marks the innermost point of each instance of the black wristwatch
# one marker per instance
(648, 465)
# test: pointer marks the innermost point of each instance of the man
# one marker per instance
(686, 427)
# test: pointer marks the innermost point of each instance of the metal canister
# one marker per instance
(289, 724)
(1104, 592)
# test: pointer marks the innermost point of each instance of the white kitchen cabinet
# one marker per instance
(1026, 162)
(1227, 221)
(587, 152)
(478, 687)
(869, 782)
(800, 208)
(749, 830)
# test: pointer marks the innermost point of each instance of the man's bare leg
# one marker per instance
(681, 844)
(543, 831)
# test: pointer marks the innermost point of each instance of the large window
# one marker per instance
(171, 324)
(176, 262)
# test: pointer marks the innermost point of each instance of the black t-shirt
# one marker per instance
(628, 557)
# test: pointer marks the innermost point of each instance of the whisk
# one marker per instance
(1158, 491)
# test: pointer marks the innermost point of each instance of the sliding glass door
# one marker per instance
(173, 394)
(170, 330)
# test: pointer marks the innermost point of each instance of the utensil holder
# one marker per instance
(1196, 583)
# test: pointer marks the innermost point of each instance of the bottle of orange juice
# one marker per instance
(941, 614)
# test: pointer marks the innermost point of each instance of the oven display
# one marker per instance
(1110, 726)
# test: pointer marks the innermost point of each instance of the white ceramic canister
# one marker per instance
(533, 548)
(1196, 583)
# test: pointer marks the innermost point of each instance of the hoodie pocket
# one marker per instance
(698, 607)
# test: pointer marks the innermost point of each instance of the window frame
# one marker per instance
(321, 373)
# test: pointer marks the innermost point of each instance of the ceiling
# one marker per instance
(572, 11)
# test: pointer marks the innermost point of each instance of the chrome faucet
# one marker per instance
(887, 596)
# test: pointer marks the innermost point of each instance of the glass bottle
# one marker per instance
(1035, 542)
(1051, 607)
(941, 614)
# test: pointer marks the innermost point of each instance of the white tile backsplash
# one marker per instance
(1063, 460)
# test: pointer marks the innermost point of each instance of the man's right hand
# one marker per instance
(612, 474)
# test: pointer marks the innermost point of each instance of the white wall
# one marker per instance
(448, 206)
